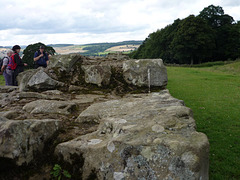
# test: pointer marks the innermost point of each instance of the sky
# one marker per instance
(90, 21)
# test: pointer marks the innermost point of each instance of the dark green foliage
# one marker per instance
(31, 49)
(212, 15)
(59, 173)
(227, 35)
(212, 35)
(238, 26)
(227, 42)
(96, 48)
(193, 41)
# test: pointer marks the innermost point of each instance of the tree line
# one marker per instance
(210, 36)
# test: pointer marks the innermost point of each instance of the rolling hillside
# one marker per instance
(97, 49)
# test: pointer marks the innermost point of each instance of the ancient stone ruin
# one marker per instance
(95, 118)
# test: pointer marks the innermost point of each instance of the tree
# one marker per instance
(31, 49)
(157, 44)
(226, 34)
(194, 41)
(211, 14)
(228, 42)
(211, 36)
(238, 26)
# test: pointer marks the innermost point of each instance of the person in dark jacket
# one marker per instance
(41, 58)
(20, 65)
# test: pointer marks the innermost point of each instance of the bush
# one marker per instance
(31, 49)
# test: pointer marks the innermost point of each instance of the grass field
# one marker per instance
(69, 49)
(213, 93)
(214, 96)
(2, 82)
(123, 48)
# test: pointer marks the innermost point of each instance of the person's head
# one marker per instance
(41, 49)
(9, 53)
(16, 48)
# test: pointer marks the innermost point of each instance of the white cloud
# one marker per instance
(81, 21)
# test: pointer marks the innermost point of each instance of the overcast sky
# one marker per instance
(87, 21)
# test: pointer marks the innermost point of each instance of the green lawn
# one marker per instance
(214, 96)
(2, 82)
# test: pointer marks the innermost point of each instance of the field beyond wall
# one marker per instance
(213, 93)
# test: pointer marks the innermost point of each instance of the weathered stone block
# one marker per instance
(50, 107)
(37, 79)
(139, 72)
(21, 139)
(96, 74)
(144, 136)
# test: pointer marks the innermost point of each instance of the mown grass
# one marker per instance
(214, 96)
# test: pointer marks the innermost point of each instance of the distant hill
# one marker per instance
(101, 49)
(97, 49)
(116, 43)
(60, 45)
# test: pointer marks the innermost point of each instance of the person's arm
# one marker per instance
(5, 62)
(36, 57)
(47, 59)
(3, 68)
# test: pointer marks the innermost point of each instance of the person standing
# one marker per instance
(16, 64)
(41, 58)
(7, 73)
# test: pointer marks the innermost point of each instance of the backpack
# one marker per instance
(1, 62)
(12, 64)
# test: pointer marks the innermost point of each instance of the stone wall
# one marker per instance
(95, 119)
(77, 70)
